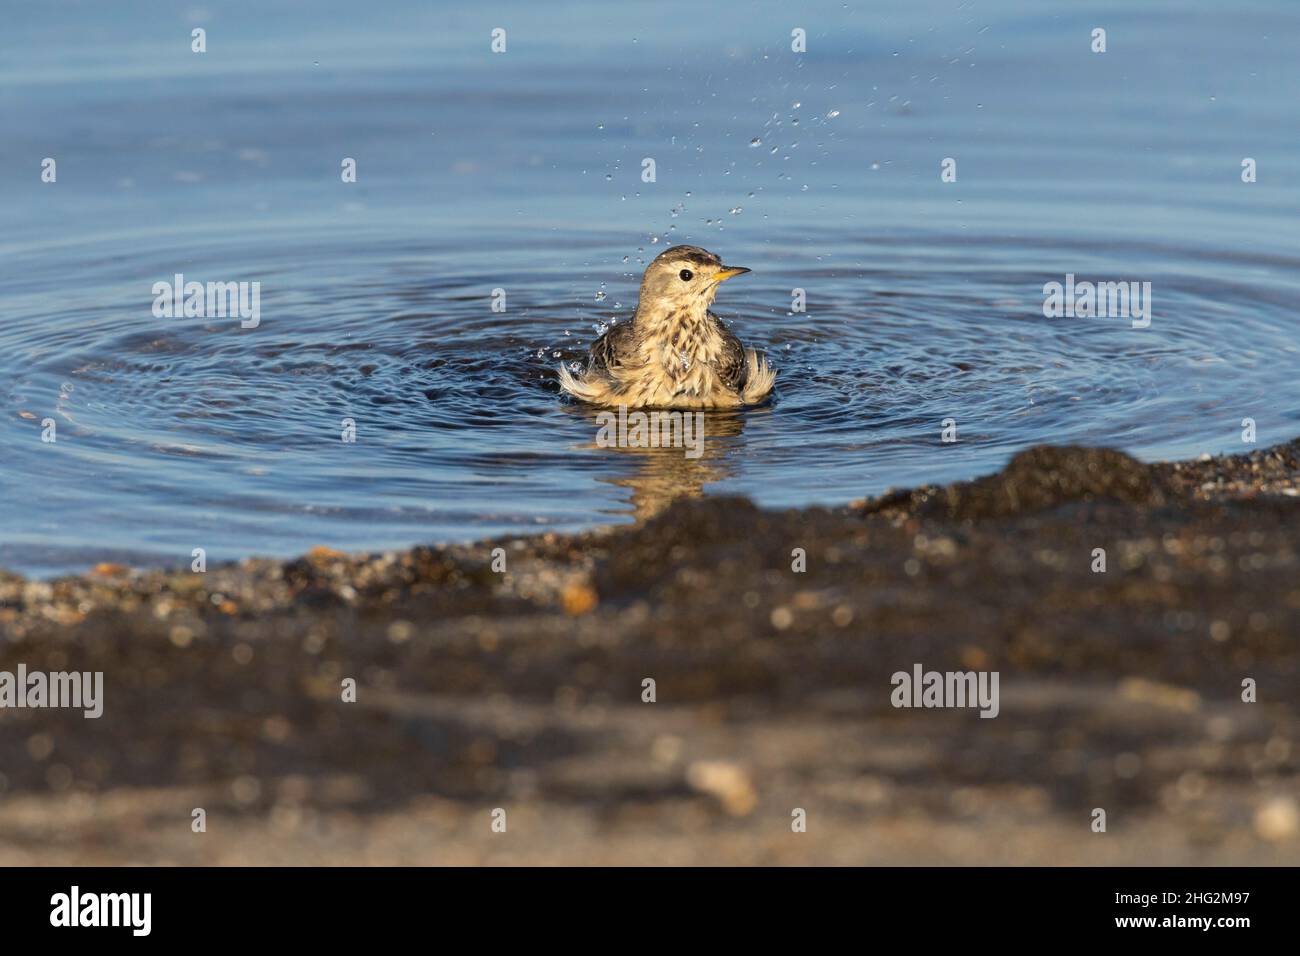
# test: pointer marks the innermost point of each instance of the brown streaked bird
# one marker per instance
(674, 353)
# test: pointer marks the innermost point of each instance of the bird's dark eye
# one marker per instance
(687, 275)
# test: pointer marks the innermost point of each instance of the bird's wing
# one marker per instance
(732, 366)
(611, 349)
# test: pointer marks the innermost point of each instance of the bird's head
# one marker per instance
(683, 278)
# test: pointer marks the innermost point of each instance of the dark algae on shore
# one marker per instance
(523, 690)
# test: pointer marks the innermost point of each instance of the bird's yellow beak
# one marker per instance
(726, 272)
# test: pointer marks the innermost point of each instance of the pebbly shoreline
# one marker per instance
(523, 690)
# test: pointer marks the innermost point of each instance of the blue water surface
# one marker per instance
(522, 171)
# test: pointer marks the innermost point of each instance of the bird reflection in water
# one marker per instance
(656, 477)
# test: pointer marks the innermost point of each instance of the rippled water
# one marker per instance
(522, 171)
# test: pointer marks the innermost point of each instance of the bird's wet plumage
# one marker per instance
(674, 353)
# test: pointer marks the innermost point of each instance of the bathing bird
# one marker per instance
(674, 353)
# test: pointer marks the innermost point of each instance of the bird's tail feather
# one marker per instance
(761, 378)
(584, 387)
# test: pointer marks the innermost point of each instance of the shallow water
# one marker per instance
(522, 171)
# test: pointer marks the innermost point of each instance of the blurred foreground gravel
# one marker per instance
(522, 690)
